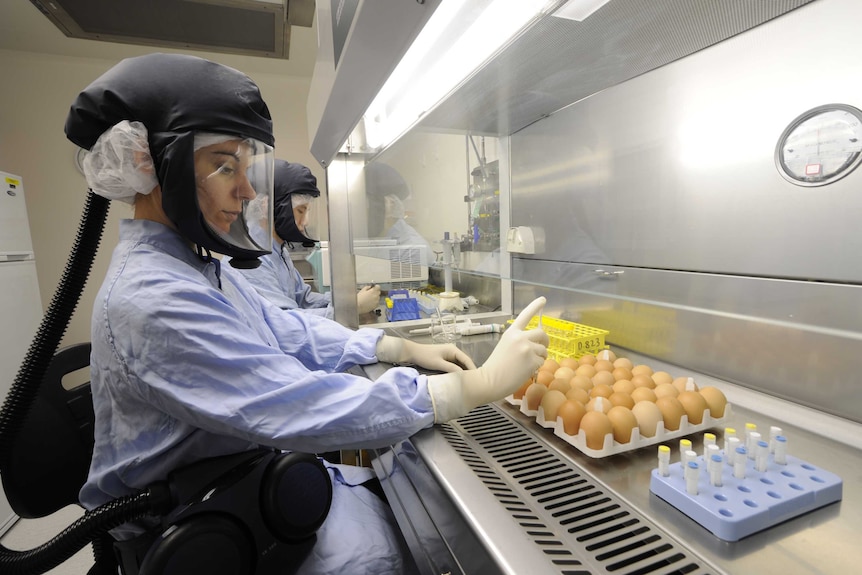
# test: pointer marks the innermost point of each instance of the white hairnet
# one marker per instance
(119, 165)
(393, 206)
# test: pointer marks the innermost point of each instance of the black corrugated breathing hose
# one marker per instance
(25, 390)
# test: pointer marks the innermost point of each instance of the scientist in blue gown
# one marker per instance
(277, 279)
(189, 361)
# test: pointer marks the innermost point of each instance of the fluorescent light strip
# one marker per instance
(579, 10)
(410, 92)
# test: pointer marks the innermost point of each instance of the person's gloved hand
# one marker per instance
(368, 298)
(436, 357)
(516, 357)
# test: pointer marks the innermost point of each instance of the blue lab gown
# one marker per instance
(278, 280)
(189, 362)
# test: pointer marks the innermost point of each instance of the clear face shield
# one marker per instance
(234, 179)
(303, 205)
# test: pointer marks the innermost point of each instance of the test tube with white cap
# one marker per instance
(708, 439)
(739, 462)
(751, 446)
(774, 431)
(688, 456)
(684, 445)
(663, 460)
(761, 456)
(749, 428)
(730, 452)
(710, 451)
(691, 473)
(715, 470)
(728, 433)
(780, 455)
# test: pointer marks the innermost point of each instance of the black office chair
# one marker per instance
(51, 456)
(249, 513)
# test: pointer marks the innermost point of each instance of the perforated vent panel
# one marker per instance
(579, 525)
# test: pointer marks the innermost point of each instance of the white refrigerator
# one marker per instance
(20, 302)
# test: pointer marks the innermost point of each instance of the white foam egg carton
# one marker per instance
(612, 447)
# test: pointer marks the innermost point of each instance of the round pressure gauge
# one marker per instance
(820, 146)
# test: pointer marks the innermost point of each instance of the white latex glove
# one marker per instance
(436, 357)
(516, 357)
(368, 298)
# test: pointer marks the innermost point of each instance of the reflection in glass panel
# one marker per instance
(425, 215)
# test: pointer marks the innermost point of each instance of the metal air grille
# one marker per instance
(580, 526)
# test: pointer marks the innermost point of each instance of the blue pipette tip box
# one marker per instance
(756, 502)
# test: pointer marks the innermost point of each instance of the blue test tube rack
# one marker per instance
(740, 507)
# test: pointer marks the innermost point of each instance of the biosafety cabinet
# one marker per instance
(679, 176)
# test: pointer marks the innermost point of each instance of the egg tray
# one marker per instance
(612, 447)
(756, 502)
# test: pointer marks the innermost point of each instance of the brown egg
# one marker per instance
(519, 393)
(578, 394)
(694, 404)
(716, 401)
(624, 386)
(622, 373)
(665, 389)
(603, 378)
(684, 384)
(642, 368)
(671, 412)
(601, 390)
(587, 359)
(643, 394)
(545, 377)
(569, 362)
(551, 402)
(582, 382)
(571, 412)
(533, 395)
(660, 377)
(648, 415)
(624, 362)
(603, 365)
(561, 385)
(596, 426)
(586, 370)
(566, 373)
(550, 364)
(643, 380)
(599, 403)
(621, 398)
(607, 355)
(623, 422)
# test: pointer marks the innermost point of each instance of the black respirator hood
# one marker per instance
(175, 96)
(291, 179)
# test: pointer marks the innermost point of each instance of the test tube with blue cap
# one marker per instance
(691, 474)
(739, 461)
(715, 469)
(780, 455)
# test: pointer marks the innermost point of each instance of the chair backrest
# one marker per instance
(51, 456)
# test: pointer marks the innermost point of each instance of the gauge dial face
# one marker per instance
(821, 146)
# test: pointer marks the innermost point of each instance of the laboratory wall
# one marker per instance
(667, 222)
(37, 92)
